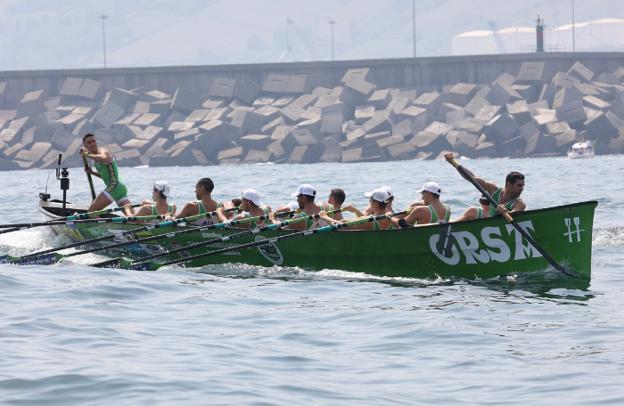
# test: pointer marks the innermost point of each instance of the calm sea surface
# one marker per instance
(73, 334)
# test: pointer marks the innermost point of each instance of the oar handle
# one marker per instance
(89, 178)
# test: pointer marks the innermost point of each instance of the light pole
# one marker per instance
(103, 17)
(414, 28)
(573, 30)
(332, 23)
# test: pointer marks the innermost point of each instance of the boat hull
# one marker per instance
(473, 249)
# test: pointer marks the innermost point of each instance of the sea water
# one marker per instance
(237, 334)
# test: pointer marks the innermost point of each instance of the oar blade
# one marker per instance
(46, 259)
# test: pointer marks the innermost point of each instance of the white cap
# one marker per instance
(305, 189)
(253, 196)
(387, 189)
(380, 195)
(292, 206)
(431, 187)
(163, 187)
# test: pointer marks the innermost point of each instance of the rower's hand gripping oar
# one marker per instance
(510, 219)
(333, 227)
(47, 256)
(125, 263)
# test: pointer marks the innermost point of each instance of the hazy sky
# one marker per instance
(43, 34)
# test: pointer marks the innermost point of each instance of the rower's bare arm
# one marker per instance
(469, 214)
(221, 215)
(519, 205)
(103, 156)
(128, 210)
(352, 209)
(189, 209)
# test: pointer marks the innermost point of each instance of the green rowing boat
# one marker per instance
(482, 248)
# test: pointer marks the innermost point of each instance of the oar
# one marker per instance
(20, 226)
(125, 263)
(116, 261)
(89, 178)
(157, 237)
(511, 220)
(44, 257)
(155, 265)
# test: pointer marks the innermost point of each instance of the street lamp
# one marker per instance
(414, 28)
(573, 30)
(103, 17)
(332, 23)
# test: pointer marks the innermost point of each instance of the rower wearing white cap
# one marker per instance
(379, 199)
(432, 209)
(251, 206)
(160, 193)
(387, 189)
(305, 195)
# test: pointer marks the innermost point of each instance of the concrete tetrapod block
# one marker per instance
(305, 154)
(277, 151)
(513, 147)
(616, 145)
(269, 127)
(123, 98)
(197, 115)
(155, 95)
(531, 72)
(231, 153)
(215, 136)
(147, 119)
(70, 87)
(379, 122)
(31, 104)
(257, 156)
(488, 112)
(248, 121)
(461, 93)
(185, 100)
(573, 113)
(565, 140)
(587, 89)
(363, 113)
(529, 93)
(505, 79)
(604, 126)
(471, 125)
(557, 127)
(581, 72)
(91, 89)
(254, 141)
(275, 83)
(34, 153)
(356, 74)
(501, 128)
(360, 89)
(485, 149)
(297, 84)
(332, 123)
(247, 90)
(430, 101)
(162, 107)
(222, 87)
(501, 93)
(62, 139)
(108, 114)
(430, 142)
(462, 141)
(561, 80)
(519, 110)
(332, 151)
(380, 99)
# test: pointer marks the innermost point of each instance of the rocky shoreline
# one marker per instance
(528, 113)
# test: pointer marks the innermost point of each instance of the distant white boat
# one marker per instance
(583, 149)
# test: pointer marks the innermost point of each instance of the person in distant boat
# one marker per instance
(335, 201)
(432, 209)
(306, 194)
(159, 206)
(204, 204)
(379, 199)
(508, 198)
(251, 206)
(476, 213)
(106, 169)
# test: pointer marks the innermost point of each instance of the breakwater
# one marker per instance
(344, 111)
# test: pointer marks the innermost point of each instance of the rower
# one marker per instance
(251, 206)
(432, 209)
(507, 199)
(379, 199)
(204, 203)
(369, 210)
(305, 200)
(106, 169)
(159, 206)
(335, 203)
(476, 213)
